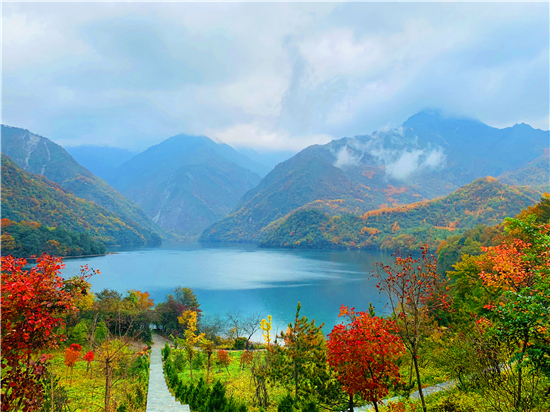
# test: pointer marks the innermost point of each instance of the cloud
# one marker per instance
(250, 135)
(407, 163)
(273, 75)
(399, 154)
(345, 158)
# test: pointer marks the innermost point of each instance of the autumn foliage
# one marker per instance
(364, 353)
(223, 359)
(33, 304)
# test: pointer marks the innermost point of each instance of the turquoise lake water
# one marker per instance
(246, 278)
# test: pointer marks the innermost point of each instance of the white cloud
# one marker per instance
(277, 75)
(250, 135)
(400, 155)
(346, 157)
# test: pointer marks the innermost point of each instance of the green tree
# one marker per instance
(301, 364)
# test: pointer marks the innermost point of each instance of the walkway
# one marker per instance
(159, 398)
(415, 395)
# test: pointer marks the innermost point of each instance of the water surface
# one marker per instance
(245, 278)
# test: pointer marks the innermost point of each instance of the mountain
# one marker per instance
(25, 239)
(484, 201)
(270, 159)
(34, 198)
(534, 174)
(186, 183)
(429, 156)
(100, 160)
(39, 155)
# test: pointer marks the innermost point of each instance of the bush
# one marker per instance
(199, 397)
(310, 407)
(166, 352)
(240, 343)
(286, 404)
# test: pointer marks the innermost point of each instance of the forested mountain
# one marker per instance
(100, 160)
(26, 239)
(534, 174)
(39, 155)
(33, 198)
(429, 156)
(485, 201)
(186, 183)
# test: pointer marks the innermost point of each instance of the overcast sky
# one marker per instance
(268, 76)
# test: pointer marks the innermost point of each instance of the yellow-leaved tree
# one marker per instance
(189, 320)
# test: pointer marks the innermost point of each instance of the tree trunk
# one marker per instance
(520, 370)
(415, 360)
(208, 368)
(191, 366)
(108, 384)
(351, 403)
(375, 405)
(51, 391)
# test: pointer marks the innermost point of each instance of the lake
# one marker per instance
(245, 278)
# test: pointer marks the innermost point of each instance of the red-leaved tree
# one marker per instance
(413, 288)
(223, 359)
(33, 303)
(89, 358)
(72, 355)
(363, 354)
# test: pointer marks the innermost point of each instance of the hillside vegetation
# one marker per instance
(33, 198)
(25, 239)
(39, 155)
(484, 201)
(430, 156)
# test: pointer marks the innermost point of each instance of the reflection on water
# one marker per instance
(245, 278)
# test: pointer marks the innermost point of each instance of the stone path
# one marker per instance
(159, 398)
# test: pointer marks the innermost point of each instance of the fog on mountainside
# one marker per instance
(429, 156)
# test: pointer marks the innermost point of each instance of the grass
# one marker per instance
(238, 381)
(85, 392)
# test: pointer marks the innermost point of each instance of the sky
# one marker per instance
(268, 76)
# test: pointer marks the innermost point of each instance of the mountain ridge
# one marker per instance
(39, 155)
(429, 156)
(484, 201)
(186, 183)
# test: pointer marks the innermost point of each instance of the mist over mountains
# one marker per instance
(429, 156)
(191, 186)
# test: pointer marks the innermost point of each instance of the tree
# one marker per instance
(72, 355)
(34, 302)
(413, 287)
(223, 360)
(168, 312)
(521, 270)
(251, 324)
(300, 365)
(235, 320)
(89, 358)
(189, 320)
(364, 353)
(246, 358)
(208, 347)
